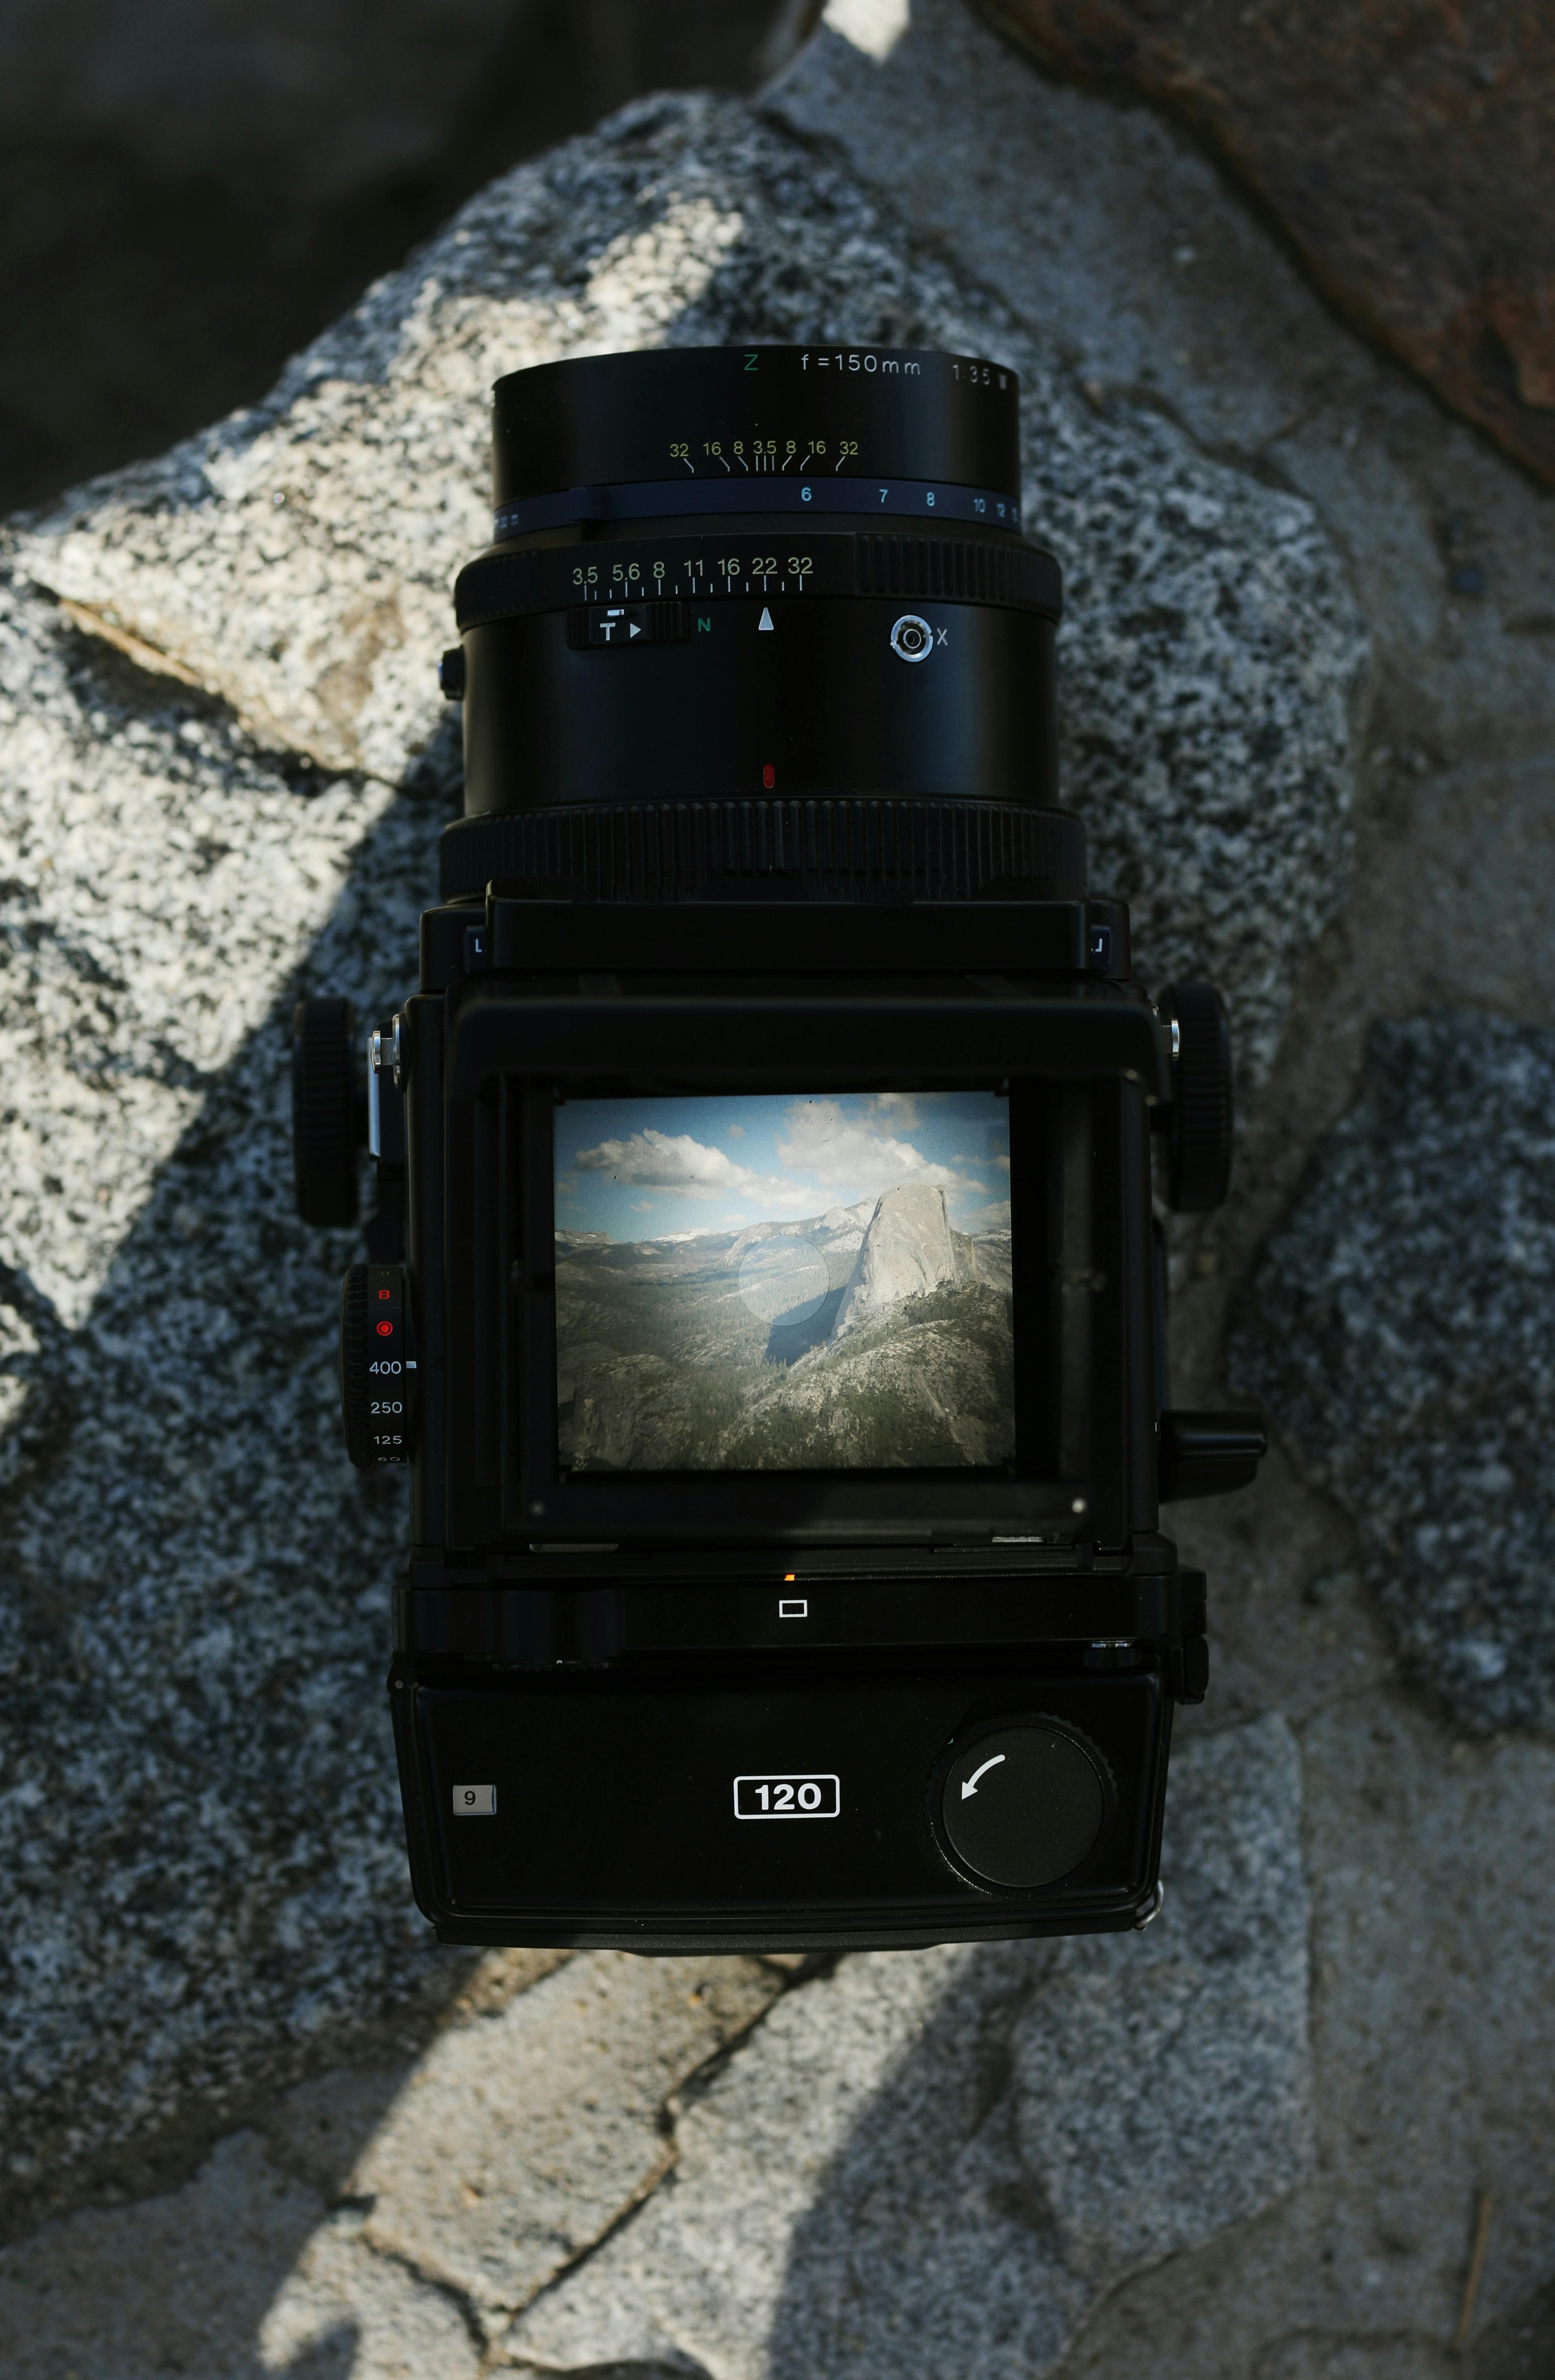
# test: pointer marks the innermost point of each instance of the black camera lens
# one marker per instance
(684, 653)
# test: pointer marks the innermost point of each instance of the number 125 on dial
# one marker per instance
(786, 1797)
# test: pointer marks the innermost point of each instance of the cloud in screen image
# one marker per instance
(761, 1284)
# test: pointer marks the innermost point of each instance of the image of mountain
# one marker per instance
(875, 1335)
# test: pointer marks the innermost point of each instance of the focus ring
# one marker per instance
(847, 850)
(958, 570)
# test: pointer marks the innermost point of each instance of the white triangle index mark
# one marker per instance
(633, 629)
(766, 619)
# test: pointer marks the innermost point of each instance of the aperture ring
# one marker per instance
(939, 569)
(757, 491)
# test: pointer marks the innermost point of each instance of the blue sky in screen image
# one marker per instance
(652, 1169)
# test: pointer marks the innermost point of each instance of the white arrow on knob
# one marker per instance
(766, 620)
(971, 1784)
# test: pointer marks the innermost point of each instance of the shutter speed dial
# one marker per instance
(378, 1374)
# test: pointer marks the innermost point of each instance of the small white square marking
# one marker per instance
(793, 1606)
(475, 1801)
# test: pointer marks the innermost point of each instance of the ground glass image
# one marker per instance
(749, 1283)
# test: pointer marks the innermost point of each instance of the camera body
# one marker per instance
(786, 1569)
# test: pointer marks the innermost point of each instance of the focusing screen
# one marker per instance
(758, 1284)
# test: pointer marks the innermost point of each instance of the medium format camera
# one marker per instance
(763, 1287)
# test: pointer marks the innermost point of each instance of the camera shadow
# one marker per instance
(202, 1883)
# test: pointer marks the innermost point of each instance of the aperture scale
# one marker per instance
(756, 561)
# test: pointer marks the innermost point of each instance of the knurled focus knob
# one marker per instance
(378, 1376)
(1200, 1132)
(324, 1134)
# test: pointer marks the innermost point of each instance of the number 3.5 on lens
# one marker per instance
(786, 1797)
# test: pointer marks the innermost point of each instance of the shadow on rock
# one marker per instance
(201, 1860)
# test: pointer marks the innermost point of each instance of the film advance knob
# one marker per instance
(1024, 1804)
(1195, 1017)
(324, 1120)
(378, 1374)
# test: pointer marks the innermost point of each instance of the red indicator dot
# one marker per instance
(769, 775)
(385, 1330)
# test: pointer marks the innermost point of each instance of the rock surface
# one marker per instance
(187, 193)
(1431, 1964)
(520, 2138)
(199, 1846)
(1429, 1956)
(298, 558)
(911, 2170)
(386, 2217)
(1100, 223)
(1405, 148)
(240, 2271)
(1399, 1327)
(908, 1246)
(200, 820)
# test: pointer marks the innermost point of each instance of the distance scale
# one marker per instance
(807, 495)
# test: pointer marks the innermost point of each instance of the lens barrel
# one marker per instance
(760, 623)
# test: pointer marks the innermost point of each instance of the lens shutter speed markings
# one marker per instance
(787, 1797)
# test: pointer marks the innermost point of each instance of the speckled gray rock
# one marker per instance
(240, 2271)
(1431, 1963)
(385, 2220)
(522, 2136)
(1401, 1329)
(202, 1873)
(199, 1844)
(930, 2164)
(298, 558)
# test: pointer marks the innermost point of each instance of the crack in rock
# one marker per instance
(846, 2198)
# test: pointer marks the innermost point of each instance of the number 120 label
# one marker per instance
(786, 1797)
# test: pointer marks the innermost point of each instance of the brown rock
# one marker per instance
(1406, 146)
